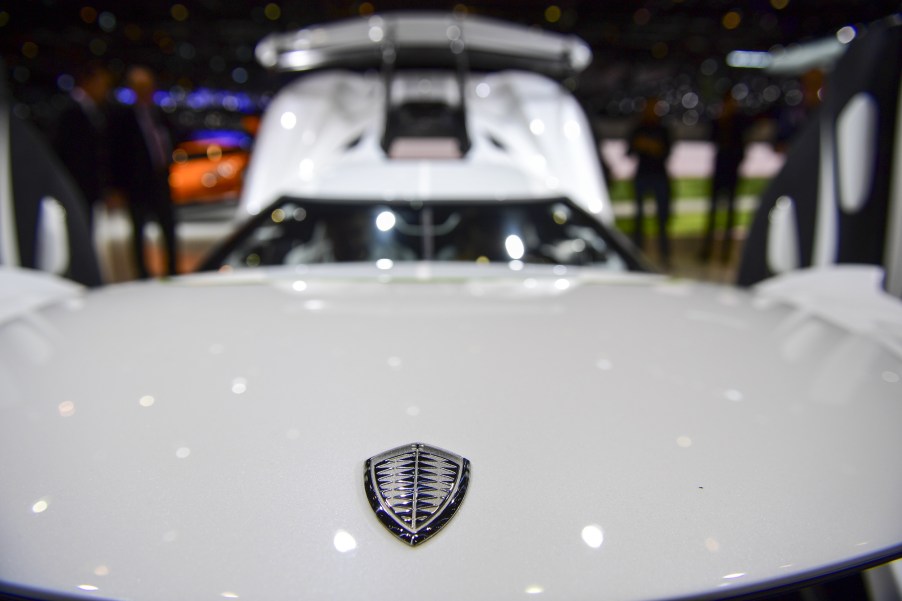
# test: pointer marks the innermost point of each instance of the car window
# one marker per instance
(297, 231)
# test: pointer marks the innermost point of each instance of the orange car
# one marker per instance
(209, 168)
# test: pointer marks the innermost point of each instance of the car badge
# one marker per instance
(416, 489)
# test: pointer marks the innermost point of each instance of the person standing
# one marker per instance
(650, 143)
(142, 151)
(81, 139)
(728, 136)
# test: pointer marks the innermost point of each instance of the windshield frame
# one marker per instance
(616, 242)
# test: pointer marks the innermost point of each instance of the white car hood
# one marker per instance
(630, 437)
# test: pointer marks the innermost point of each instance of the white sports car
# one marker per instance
(427, 367)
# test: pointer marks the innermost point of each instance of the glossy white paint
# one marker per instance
(856, 147)
(52, 252)
(826, 220)
(631, 437)
(23, 291)
(530, 139)
(782, 237)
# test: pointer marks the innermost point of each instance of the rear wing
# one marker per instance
(425, 40)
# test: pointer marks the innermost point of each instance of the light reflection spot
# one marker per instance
(394, 362)
(385, 221)
(384, 264)
(483, 90)
(846, 34)
(604, 364)
(537, 127)
(66, 409)
(288, 120)
(40, 506)
(732, 395)
(530, 283)
(214, 152)
(182, 452)
(534, 589)
(559, 269)
(314, 305)
(344, 541)
(734, 575)
(101, 571)
(515, 265)
(146, 401)
(571, 129)
(88, 587)
(684, 442)
(890, 376)
(306, 169)
(413, 411)
(513, 244)
(228, 595)
(562, 284)
(593, 536)
(712, 545)
(299, 285)
(239, 385)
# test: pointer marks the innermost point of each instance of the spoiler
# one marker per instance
(425, 40)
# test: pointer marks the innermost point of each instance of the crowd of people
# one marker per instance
(118, 154)
(650, 143)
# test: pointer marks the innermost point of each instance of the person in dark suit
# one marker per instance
(142, 150)
(81, 139)
(650, 143)
(728, 136)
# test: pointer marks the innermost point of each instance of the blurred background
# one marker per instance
(691, 56)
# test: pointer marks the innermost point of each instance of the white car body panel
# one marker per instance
(302, 148)
(631, 437)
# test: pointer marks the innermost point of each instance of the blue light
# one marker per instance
(224, 138)
(125, 96)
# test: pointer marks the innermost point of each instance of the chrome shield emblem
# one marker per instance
(416, 489)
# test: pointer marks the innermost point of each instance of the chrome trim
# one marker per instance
(416, 489)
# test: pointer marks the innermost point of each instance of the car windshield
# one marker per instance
(296, 231)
